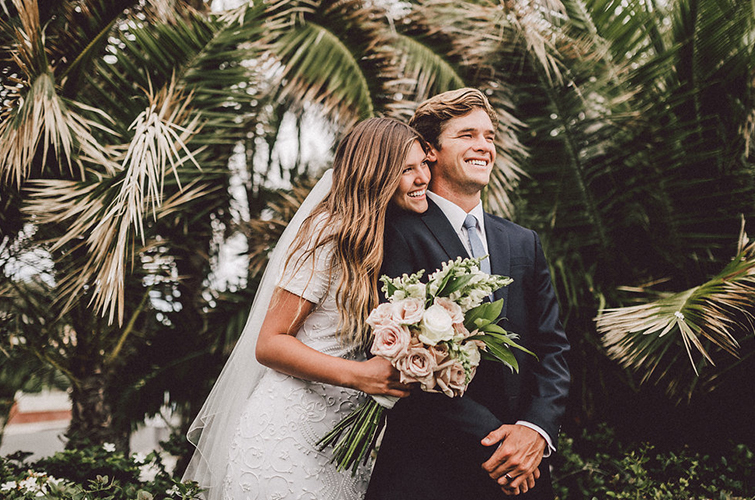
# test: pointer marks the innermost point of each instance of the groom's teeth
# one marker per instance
(479, 163)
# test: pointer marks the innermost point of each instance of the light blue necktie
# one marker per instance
(478, 250)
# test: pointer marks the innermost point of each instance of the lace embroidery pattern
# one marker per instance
(273, 454)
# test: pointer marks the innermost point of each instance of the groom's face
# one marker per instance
(467, 152)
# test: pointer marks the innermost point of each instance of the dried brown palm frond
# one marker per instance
(34, 115)
(109, 215)
(715, 315)
(160, 135)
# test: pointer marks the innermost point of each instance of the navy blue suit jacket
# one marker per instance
(433, 436)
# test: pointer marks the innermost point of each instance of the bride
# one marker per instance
(256, 433)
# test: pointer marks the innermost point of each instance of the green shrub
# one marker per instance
(97, 472)
(597, 466)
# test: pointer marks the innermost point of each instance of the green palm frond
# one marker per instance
(336, 54)
(428, 70)
(717, 314)
(82, 32)
(328, 71)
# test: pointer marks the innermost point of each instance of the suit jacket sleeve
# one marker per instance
(546, 382)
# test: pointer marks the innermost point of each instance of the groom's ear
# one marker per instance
(432, 155)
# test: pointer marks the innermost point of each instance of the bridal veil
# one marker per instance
(213, 428)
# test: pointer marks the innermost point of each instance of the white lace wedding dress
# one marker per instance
(273, 453)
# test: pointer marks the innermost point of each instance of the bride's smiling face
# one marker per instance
(410, 194)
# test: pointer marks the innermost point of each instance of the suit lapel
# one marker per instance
(443, 231)
(500, 256)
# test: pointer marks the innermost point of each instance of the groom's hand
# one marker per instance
(513, 465)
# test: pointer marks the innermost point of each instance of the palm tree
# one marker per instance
(117, 139)
(639, 174)
(95, 144)
(116, 143)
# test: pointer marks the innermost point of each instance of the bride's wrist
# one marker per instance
(348, 376)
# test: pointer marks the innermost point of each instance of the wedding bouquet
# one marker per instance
(434, 334)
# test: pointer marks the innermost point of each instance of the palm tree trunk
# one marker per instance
(91, 415)
(6, 403)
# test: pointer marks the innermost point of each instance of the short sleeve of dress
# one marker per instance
(309, 278)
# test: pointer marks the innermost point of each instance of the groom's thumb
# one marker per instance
(494, 437)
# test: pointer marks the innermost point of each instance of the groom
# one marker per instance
(491, 442)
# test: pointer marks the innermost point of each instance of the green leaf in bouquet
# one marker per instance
(493, 328)
(487, 356)
(499, 351)
(487, 311)
(451, 284)
(388, 287)
(499, 335)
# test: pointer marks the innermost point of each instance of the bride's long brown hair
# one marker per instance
(367, 168)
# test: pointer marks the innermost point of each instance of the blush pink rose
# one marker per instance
(452, 379)
(391, 341)
(440, 352)
(408, 311)
(381, 315)
(454, 310)
(417, 366)
(461, 330)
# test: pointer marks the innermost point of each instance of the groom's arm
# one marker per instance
(521, 448)
(549, 378)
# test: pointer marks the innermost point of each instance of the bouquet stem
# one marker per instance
(354, 437)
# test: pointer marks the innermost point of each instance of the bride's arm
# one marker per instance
(278, 349)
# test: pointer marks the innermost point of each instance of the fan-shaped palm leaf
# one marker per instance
(717, 313)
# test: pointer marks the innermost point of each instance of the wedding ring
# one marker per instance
(508, 477)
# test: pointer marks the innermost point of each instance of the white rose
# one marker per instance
(436, 325)
(472, 352)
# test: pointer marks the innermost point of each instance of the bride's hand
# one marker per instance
(377, 376)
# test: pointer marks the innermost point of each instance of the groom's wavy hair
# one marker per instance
(367, 169)
(431, 116)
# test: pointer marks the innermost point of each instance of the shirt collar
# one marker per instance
(455, 214)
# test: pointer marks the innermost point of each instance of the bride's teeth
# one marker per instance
(417, 193)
